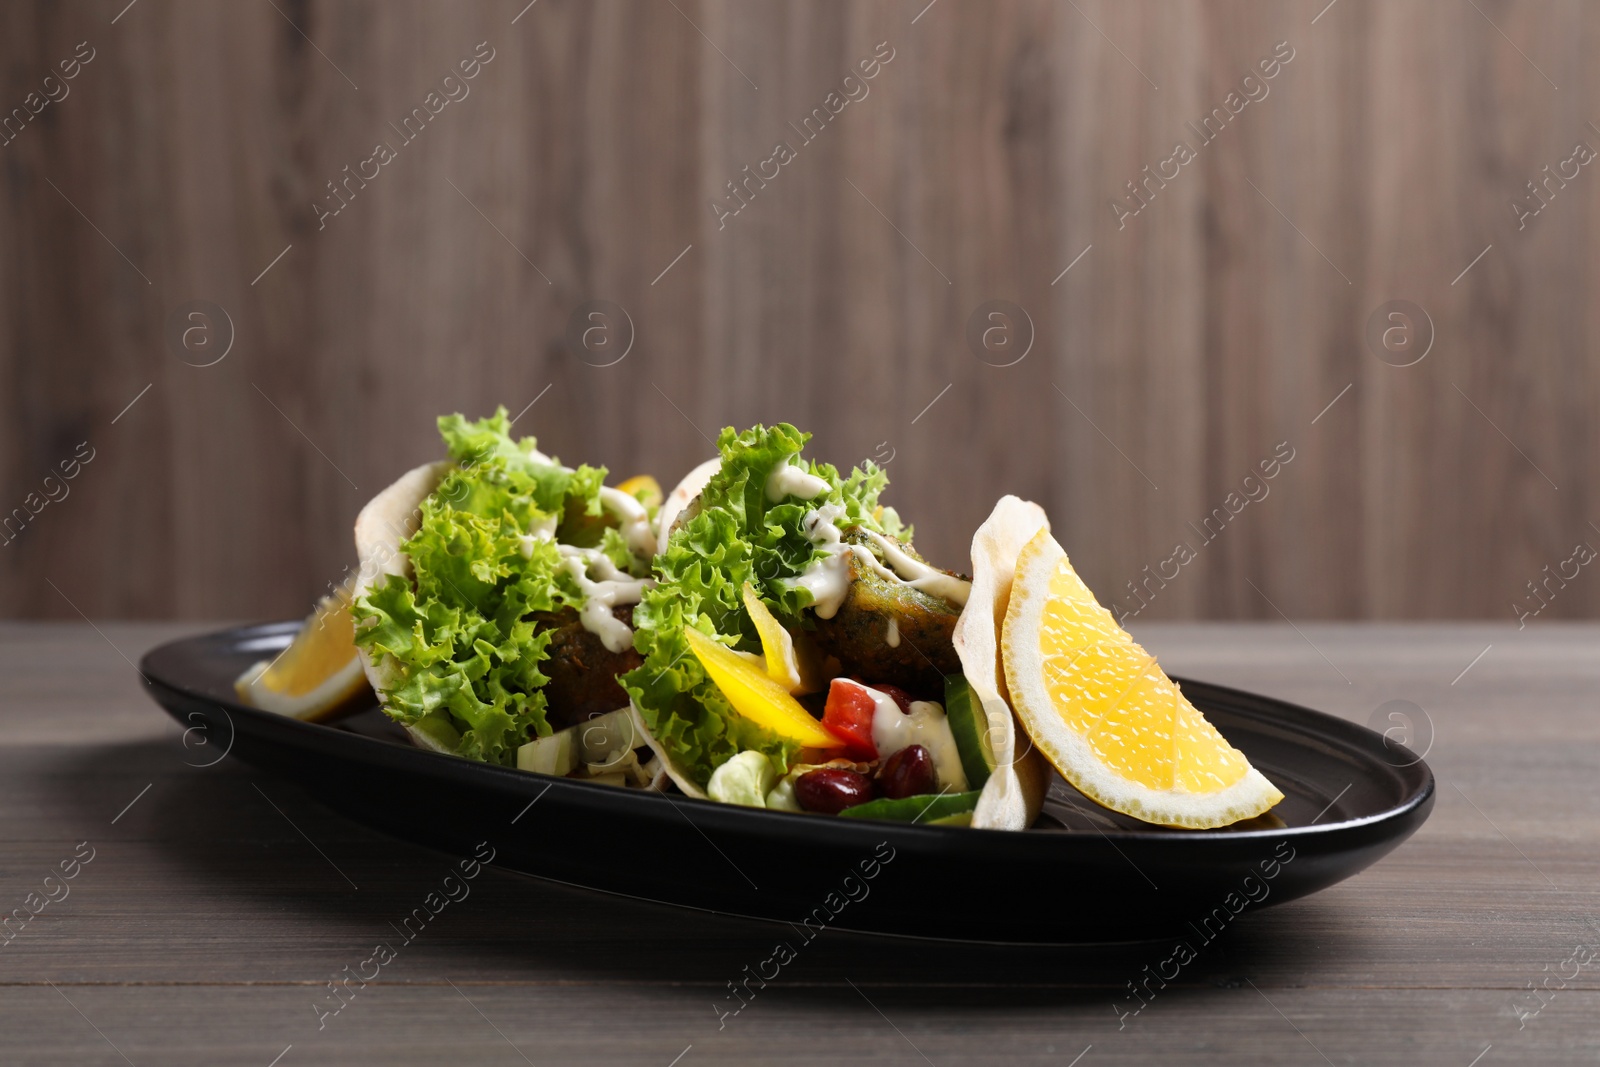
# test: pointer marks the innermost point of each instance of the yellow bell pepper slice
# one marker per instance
(756, 696)
(782, 666)
(649, 486)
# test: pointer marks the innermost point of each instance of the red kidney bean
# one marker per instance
(832, 789)
(908, 773)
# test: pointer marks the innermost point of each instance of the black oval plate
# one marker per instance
(1082, 875)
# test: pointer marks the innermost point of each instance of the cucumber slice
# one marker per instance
(964, 712)
(923, 809)
(556, 754)
(963, 819)
(606, 738)
(434, 732)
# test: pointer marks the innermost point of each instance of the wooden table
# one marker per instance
(211, 915)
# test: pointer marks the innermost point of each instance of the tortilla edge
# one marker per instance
(1014, 794)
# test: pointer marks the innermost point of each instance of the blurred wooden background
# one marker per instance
(1167, 363)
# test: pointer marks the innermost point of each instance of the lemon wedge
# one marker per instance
(755, 695)
(1105, 714)
(318, 674)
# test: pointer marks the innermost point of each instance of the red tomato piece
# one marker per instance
(848, 715)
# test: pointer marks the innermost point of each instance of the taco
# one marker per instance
(494, 605)
(800, 655)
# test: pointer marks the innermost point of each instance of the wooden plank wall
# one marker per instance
(1183, 346)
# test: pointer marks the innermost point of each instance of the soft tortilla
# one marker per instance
(682, 493)
(386, 523)
(679, 777)
(680, 497)
(1015, 791)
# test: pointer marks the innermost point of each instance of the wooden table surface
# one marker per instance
(206, 924)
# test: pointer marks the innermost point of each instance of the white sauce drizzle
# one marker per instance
(919, 575)
(616, 588)
(633, 518)
(926, 725)
(893, 637)
(820, 524)
(828, 581)
(787, 480)
(542, 530)
(828, 577)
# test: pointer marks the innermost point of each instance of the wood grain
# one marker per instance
(1174, 356)
(208, 924)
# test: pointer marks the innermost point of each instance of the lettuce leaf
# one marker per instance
(736, 536)
(460, 632)
(487, 444)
